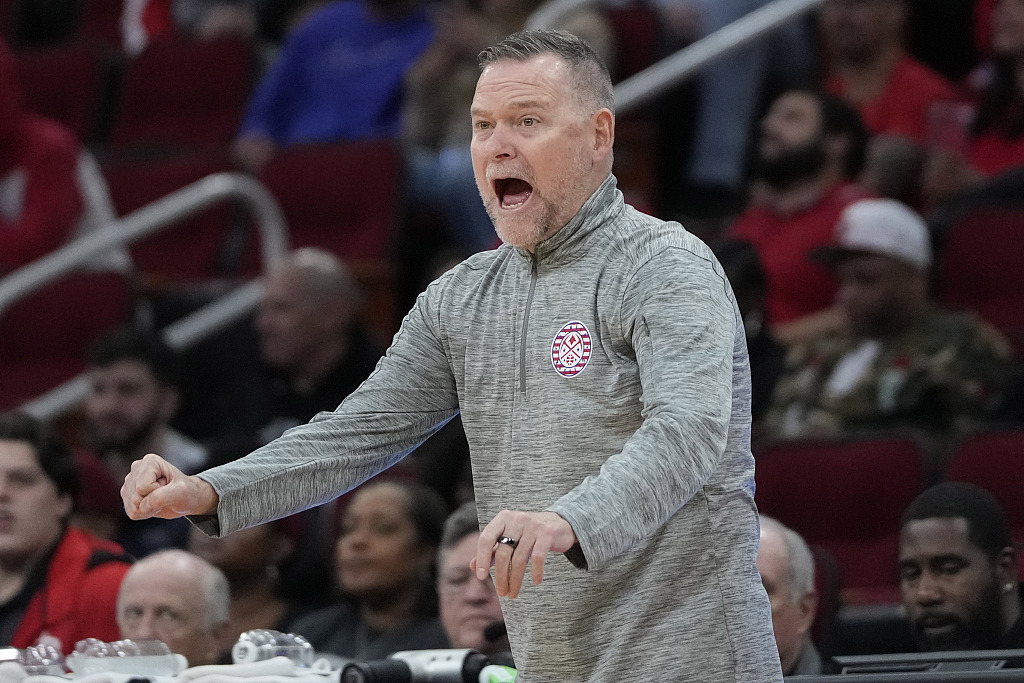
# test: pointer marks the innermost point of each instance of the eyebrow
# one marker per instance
(520, 104)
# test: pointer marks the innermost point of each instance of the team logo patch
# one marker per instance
(570, 351)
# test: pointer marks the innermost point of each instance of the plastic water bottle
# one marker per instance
(262, 644)
(136, 657)
(41, 660)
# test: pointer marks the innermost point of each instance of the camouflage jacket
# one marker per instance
(948, 367)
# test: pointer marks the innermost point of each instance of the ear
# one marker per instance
(65, 504)
(604, 133)
(1006, 567)
(808, 606)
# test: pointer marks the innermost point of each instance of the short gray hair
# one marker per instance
(591, 80)
(461, 523)
(799, 559)
(212, 582)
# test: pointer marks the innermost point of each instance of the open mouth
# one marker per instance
(938, 624)
(512, 193)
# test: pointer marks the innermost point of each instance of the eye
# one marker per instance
(529, 121)
(482, 125)
(950, 568)
(131, 613)
(385, 528)
(909, 573)
(168, 616)
(22, 479)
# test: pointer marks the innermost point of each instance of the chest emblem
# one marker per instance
(570, 351)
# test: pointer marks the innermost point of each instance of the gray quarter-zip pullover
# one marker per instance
(605, 378)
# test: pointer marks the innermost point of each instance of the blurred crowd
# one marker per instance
(859, 173)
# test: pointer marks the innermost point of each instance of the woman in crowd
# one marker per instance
(384, 567)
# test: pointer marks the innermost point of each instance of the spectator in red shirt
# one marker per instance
(57, 583)
(811, 148)
(998, 132)
(39, 198)
(994, 142)
(51, 188)
(868, 66)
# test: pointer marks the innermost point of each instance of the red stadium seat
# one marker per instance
(846, 497)
(995, 461)
(63, 83)
(190, 249)
(45, 336)
(181, 94)
(342, 197)
(982, 269)
(827, 584)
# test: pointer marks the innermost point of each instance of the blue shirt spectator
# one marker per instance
(339, 76)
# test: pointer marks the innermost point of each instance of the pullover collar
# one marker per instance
(571, 241)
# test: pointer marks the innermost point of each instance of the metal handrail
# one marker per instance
(644, 86)
(150, 219)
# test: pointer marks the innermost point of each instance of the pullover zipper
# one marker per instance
(526, 324)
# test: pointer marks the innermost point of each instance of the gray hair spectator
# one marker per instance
(178, 598)
(310, 336)
(468, 606)
(786, 566)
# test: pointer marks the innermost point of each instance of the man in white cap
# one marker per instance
(900, 361)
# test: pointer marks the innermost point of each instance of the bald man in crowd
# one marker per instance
(310, 338)
(180, 599)
(786, 566)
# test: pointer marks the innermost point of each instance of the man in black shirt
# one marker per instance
(958, 571)
(311, 339)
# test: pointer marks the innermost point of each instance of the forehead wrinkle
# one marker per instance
(532, 80)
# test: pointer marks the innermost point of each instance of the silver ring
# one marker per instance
(510, 542)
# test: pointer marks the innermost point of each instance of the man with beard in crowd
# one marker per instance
(131, 400)
(810, 150)
(958, 571)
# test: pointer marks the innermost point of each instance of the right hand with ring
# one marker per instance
(156, 488)
(514, 539)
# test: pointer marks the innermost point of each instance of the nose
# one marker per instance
(479, 591)
(101, 401)
(498, 143)
(356, 537)
(927, 590)
(143, 628)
